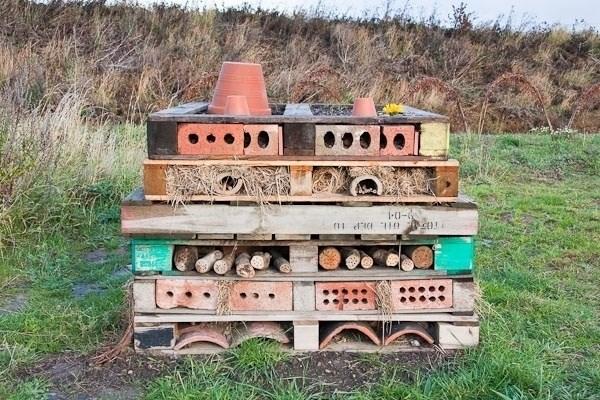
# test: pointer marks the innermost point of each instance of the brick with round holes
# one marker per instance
(347, 140)
(187, 293)
(420, 294)
(210, 139)
(345, 296)
(261, 296)
(261, 140)
(397, 140)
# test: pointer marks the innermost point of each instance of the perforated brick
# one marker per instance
(397, 140)
(210, 139)
(347, 140)
(195, 294)
(261, 296)
(422, 294)
(345, 296)
(261, 140)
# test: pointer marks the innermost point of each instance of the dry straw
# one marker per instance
(398, 182)
(183, 182)
(330, 180)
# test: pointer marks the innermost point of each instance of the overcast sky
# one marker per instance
(581, 13)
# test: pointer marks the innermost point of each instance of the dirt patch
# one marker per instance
(14, 304)
(74, 376)
(101, 255)
(80, 290)
(341, 371)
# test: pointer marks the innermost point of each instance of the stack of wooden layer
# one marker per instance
(301, 226)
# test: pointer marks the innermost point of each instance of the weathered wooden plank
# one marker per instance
(304, 258)
(308, 161)
(411, 220)
(303, 316)
(457, 336)
(374, 274)
(301, 181)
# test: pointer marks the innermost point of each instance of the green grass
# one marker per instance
(537, 266)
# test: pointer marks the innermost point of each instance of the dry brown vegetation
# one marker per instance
(127, 61)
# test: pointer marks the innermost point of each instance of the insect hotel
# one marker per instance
(322, 227)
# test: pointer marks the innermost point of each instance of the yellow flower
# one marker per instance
(393, 109)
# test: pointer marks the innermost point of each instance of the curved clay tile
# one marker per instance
(334, 329)
(401, 329)
(202, 333)
(267, 330)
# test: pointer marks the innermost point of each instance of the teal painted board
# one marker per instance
(151, 255)
(454, 254)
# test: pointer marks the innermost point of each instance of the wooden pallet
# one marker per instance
(297, 125)
(142, 217)
(301, 299)
(433, 332)
(443, 184)
(452, 255)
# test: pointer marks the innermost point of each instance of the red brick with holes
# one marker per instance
(345, 296)
(261, 140)
(210, 139)
(195, 294)
(397, 140)
(422, 294)
(261, 296)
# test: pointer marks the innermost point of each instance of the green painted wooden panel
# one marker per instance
(151, 255)
(455, 254)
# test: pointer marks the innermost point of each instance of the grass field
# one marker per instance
(61, 291)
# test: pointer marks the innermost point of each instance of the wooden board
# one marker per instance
(301, 316)
(413, 220)
(197, 113)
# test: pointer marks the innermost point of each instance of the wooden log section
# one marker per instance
(385, 257)
(330, 258)
(366, 185)
(406, 264)
(351, 257)
(281, 263)
(205, 264)
(422, 256)
(225, 264)
(243, 267)
(366, 261)
(260, 260)
(185, 257)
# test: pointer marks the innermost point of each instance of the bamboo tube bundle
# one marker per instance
(406, 264)
(185, 257)
(205, 264)
(330, 258)
(260, 260)
(281, 263)
(388, 258)
(243, 267)
(351, 257)
(225, 264)
(422, 256)
(366, 261)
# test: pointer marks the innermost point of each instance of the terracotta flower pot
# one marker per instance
(364, 107)
(241, 79)
(236, 105)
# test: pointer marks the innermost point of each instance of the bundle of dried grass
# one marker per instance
(224, 292)
(183, 182)
(330, 180)
(383, 290)
(398, 182)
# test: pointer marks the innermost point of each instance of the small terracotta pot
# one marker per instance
(236, 105)
(364, 107)
(241, 79)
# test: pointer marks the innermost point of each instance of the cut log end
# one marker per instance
(422, 256)
(243, 267)
(406, 264)
(224, 265)
(205, 264)
(185, 257)
(351, 257)
(330, 258)
(366, 261)
(260, 260)
(281, 263)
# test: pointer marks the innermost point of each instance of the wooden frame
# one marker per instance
(445, 183)
(297, 124)
(141, 217)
